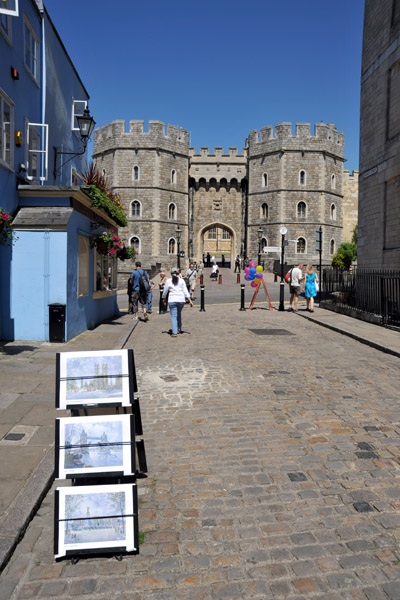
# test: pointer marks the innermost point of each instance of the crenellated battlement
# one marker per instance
(325, 137)
(218, 153)
(114, 135)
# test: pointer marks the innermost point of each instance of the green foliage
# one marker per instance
(354, 239)
(7, 236)
(101, 200)
(346, 254)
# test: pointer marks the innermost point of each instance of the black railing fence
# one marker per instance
(376, 292)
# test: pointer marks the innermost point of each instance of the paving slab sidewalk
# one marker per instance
(27, 392)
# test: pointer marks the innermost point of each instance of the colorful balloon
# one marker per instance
(247, 270)
(259, 269)
(252, 264)
(247, 277)
(253, 284)
(251, 277)
(259, 276)
(252, 271)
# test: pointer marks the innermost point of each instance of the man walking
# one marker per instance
(139, 294)
(295, 279)
(237, 264)
(191, 279)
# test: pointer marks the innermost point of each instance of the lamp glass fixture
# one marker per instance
(86, 124)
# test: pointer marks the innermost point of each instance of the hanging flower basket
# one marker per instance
(111, 244)
(7, 235)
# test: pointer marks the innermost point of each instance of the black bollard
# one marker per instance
(242, 286)
(238, 278)
(202, 309)
(201, 279)
(275, 277)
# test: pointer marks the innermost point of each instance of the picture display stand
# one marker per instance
(99, 519)
(97, 449)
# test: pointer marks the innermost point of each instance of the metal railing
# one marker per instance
(376, 292)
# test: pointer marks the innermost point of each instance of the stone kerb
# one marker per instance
(326, 138)
(113, 135)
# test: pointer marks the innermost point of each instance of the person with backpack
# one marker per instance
(140, 287)
(191, 279)
(294, 282)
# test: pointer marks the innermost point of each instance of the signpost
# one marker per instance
(271, 249)
(318, 248)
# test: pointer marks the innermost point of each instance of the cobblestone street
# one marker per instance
(274, 470)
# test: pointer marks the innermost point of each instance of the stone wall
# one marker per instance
(350, 204)
(379, 207)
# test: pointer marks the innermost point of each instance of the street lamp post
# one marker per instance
(178, 241)
(283, 232)
(86, 125)
(260, 234)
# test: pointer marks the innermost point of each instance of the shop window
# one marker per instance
(106, 272)
(83, 266)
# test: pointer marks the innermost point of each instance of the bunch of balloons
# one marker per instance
(254, 273)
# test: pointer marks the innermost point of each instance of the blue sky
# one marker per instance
(219, 68)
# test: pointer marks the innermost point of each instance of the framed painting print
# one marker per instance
(101, 377)
(100, 446)
(96, 519)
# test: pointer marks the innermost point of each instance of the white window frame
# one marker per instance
(333, 182)
(3, 133)
(305, 245)
(7, 34)
(264, 180)
(13, 12)
(33, 68)
(212, 230)
(172, 204)
(42, 152)
(75, 177)
(133, 173)
(172, 239)
(83, 266)
(132, 216)
(139, 247)
(305, 210)
(173, 176)
(226, 232)
(333, 211)
(75, 111)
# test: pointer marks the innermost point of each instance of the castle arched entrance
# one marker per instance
(218, 239)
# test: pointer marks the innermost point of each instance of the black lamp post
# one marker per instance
(178, 240)
(86, 125)
(260, 234)
(283, 232)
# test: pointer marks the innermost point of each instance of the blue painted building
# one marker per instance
(51, 268)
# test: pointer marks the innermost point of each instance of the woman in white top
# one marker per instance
(176, 291)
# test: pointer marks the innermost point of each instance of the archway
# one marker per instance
(218, 240)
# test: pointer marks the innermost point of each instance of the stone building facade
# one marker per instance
(350, 204)
(379, 199)
(228, 203)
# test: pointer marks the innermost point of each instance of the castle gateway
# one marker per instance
(228, 203)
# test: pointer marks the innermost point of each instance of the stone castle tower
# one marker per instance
(227, 203)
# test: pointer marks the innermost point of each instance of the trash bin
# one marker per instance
(57, 322)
